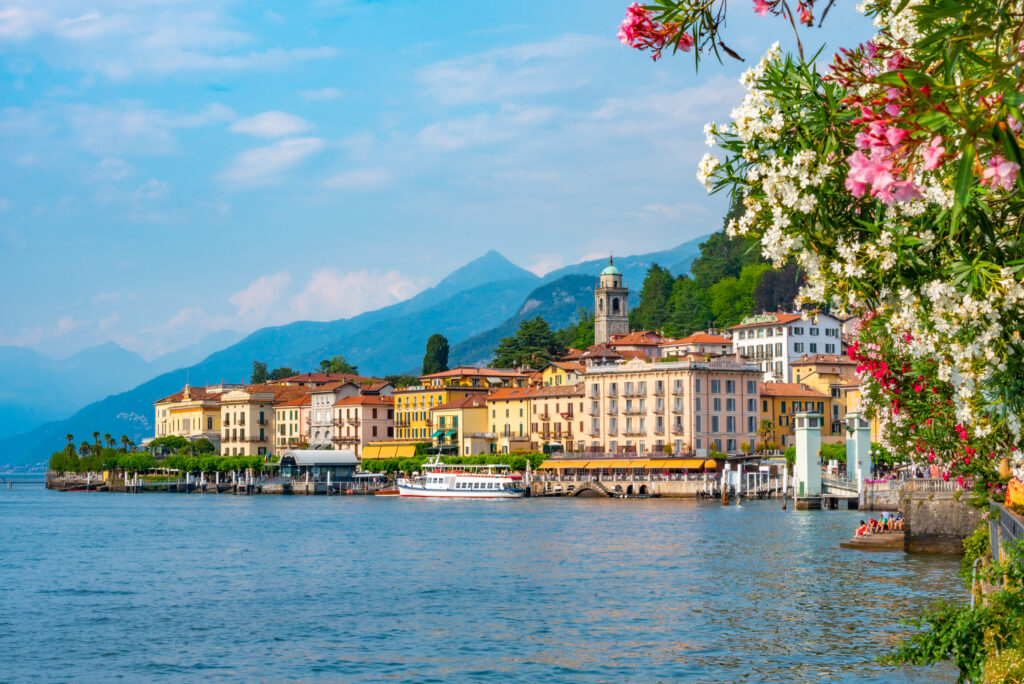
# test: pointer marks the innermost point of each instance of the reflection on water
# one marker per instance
(188, 587)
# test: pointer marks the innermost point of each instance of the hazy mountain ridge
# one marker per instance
(473, 306)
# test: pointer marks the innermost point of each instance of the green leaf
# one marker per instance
(964, 178)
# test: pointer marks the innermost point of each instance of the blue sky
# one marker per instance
(173, 168)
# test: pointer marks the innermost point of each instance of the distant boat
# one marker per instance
(464, 482)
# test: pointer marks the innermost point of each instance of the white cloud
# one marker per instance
(505, 73)
(545, 263)
(361, 180)
(273, 124)
(131, 128)
(509, 122)
(265, 165)
(108, 322)
(321, 94)
(331, 294)
(262, 294)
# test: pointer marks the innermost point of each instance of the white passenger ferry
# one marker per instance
(465, 481)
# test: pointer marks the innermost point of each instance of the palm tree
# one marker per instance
(108, 439)
(83, 449)
(124, 442)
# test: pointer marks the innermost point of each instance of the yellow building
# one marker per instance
(832, 375)
(780, 401)
(191, 413)
(558, 373)
(460, 426)
(413, 404)
(854, 402)
(508, 410)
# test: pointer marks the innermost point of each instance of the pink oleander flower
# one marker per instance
(933, 153)
(636, 18)
(685, 42)
(917, 387)
(805, 15)
(895, 135)
(1001, 173)
(945, 476)
(870, 49)
(761, 7)
(906, 191)
(1020, 47)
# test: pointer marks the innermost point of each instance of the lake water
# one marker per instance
(161, 587)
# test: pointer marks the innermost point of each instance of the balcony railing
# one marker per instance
(677, 390)
(659, 391)
(593, 411)
(634, 410)
(677, 429)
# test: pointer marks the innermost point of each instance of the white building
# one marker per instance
(776, 340)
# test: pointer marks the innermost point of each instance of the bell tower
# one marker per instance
(611, 305)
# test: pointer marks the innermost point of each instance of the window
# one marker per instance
(764, 405)
(751, 424)
(814, 331)
(751, 404)
(730, 404)
(821, 407)
(798, 331)
(730, 424)
(778, 349)
(730, 387)
(730, 445)
(796, 406)
(743, 334)
(751, 387)
(716, 404)
(768, 333)
(814, 347)
(716, 386)
(798, 347)
(697, 426)
(830, 349)
(714, 423)
(782, 406)
(697, 404)
(697, 385)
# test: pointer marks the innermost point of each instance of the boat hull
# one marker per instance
(423, 492)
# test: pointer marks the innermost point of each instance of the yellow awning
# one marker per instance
(405, 451)
(371, 452)
(628, 463)
(561, 465)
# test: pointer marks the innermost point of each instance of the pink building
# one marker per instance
(361, 419)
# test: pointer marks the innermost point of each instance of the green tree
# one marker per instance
(689, 308)
(580, 333)
(337, 364)
(203, 446)
(435, 360)
(652, 312)
(533, 345)
(282, 373)
(402, 380)
(83, 449)
(124, 442)
(259, 373)
(733, 298)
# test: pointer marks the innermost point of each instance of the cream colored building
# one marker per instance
(508, 410)
(691, 405)
(248, 418)
(191, 413)
(460, 426)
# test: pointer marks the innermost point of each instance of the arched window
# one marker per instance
(615, 305)
(600, 304)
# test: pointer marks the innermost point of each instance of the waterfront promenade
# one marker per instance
(218, 588)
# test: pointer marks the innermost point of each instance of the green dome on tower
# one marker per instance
(610, 269)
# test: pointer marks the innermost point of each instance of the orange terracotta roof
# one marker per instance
(304, 400)
(601, 351)
(779, 318)
(645, 337)
(790, 389)
(633, 354)
(557, 391)
(464, 403)
(507, 393)
(365, 399)
(573, 366)
(470, 371)
(374, 386)
(701, 338)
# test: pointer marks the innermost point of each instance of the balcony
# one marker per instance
(677, 390)
(678, 409)
(634, 410)
(592, 411)
(658, 430)
(677, 428)
(659, 391)
(634, 393)
(543, 416)
(633, 431)
(593, 433)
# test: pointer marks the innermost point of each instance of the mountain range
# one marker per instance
(473, 307)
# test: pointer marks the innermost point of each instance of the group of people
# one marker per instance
(886, 522)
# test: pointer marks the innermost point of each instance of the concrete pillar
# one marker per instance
(858, 449)
(807, 472)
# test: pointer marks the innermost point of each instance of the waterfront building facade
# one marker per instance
(557, 418)
(361, 419)
(688, 406)
(191, 413)
(775, 340)
(611, 305)
(291, 422)
(248, 418)
(508, 410)
(781, 401)
(460, 426)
